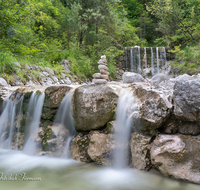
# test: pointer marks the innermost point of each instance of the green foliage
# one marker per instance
(7, 62)
(187, 59)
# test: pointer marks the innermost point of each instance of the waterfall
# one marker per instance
(64, 120)
(161, 58)
(126, 57)
(139, 62)
(145, 56)
(7, 120)
(33, 121)
(131, 58)
(126, 107)
(165, 57)
(152, 62)
(157, 59)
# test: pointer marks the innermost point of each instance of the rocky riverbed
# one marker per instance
(165, 133)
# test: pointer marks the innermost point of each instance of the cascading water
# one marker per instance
(126, 108)
(64, 120)
(131, 58)
(126, 57)
(165, 58)
(152, 62)
(139, 61)
(161, 58)
(145, 56)
(7, 120)
(157, 59)
(33, 120)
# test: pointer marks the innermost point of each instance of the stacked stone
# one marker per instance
(102, 77)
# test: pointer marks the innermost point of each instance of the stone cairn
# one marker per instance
(102, 77)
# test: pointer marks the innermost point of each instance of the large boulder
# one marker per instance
(140, 145)
(155, 105)
(186, 98)
(78, 148)
(130, 77)
(101, 147)
(93, 106)
(177, 156)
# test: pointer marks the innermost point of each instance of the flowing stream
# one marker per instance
(33, 121)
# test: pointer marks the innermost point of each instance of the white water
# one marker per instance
(145, 57)
(139, 61)
(126, 107)
(157, 56)
(7, 124)
(152, 62)
(33, 121)
(131, 58)
(64, 120)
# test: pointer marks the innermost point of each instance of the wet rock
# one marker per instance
(140, 145)
(189, 129)
(158, 78)
(3, 82)
(155, 105)
(101, 147)
(177, 156)
(54, 95)
(186, 99)
(93, 106)
(129, 77)
(78, 148)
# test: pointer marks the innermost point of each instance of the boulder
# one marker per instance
(155, 105)
(140, 145)
(177, 156)
(93, 106)
(129, 77)
(101, 147)
(78, 148)
(189, 129)
(3, 82)
(158, 78)
(186, 97)
(54, 95)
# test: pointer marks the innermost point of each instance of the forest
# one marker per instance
(44, 32)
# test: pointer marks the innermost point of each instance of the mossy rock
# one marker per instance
(54, 95)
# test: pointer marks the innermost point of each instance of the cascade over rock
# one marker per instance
(93, 106)
(177, 156)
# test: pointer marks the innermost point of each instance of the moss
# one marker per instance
(45, 138)
(48, 114)
(38, 92)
